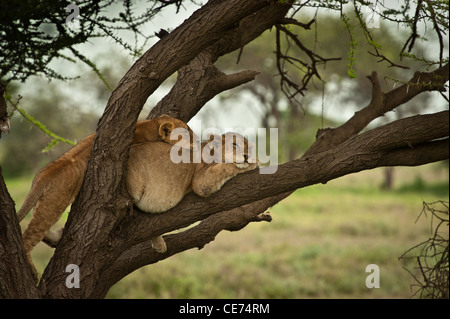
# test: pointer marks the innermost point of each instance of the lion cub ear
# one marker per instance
(165, 129)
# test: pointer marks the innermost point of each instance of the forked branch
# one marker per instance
(380, 104)
(307, 68)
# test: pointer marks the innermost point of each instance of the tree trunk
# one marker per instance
(388, 182)
(16, 280)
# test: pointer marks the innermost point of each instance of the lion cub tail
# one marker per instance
(30, 201)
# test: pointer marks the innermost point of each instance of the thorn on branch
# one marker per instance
(162, 33)
(240, 54)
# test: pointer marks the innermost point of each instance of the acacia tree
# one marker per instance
(108, 238)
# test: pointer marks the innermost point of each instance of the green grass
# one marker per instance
(318, 245)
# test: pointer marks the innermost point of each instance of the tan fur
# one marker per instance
(55, 187)
(157, 184)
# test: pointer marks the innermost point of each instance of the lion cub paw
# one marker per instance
(159, 244)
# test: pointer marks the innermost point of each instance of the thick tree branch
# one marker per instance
(418, 155)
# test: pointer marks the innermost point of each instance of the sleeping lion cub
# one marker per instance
(55, 187)
(157, 183)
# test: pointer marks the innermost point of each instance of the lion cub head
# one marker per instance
(232, 148)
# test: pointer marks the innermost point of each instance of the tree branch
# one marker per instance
(196, 237)
(308, 68)
(418, 155)
(306, 26)
(380, 104)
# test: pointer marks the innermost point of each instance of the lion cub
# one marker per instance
(157, 183)
(55, 187)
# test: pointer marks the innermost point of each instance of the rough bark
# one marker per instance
(16, 278)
